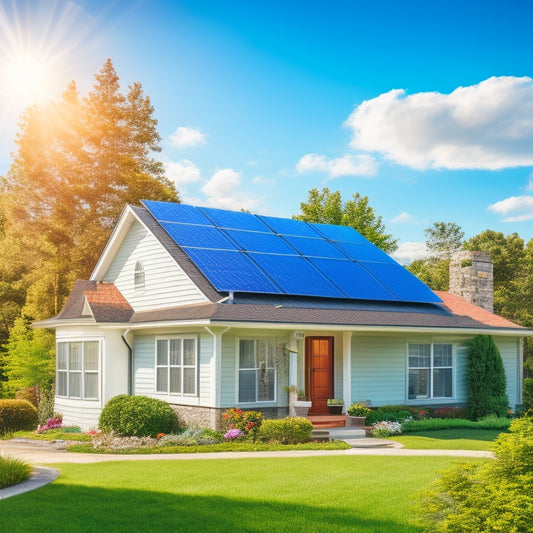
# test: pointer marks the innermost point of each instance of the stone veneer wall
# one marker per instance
(211, 417)
(471, 277)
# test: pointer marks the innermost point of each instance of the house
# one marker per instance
(210, 309)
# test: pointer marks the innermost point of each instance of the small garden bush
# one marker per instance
(242, 425)
(495, 495)
(435, 424)
(449, 412)
(528, 393)
(292, 430)
(13, 471)
(45, 409)
(358, 409)
(389, 413)
(138, 416)
(17, 415)
(30, 393)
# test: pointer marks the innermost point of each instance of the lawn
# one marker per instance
(449, 439)
(312, 494)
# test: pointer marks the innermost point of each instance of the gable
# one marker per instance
(244, 253)
(166, 284)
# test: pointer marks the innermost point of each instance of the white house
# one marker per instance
(210, 309)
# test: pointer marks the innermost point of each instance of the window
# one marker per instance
(176, 366)
(430, 371)
(138, 277)
(77, 369)
(257, 370)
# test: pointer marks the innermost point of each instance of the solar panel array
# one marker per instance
(241, 252)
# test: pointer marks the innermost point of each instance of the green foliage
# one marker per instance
(16, 415)
(435, 273)
(13, 471)
(527, 394)
(358, 409)
(249, 422)
(443, 238)
(46, 404)
(30, 357)
(435, 424)
(496, 495)
(138, 416)
(388, 413)
(30, 394)
(292, 430)
(325, 207)
(486, 379)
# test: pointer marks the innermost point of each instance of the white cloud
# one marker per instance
(529, 186)
(519, 207)
(483, 126)
(185, 137)
(404, 218)
(182, 172)
(348, 165)
(409, 252)
(225, 190)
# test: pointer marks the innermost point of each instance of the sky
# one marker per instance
(424, 107)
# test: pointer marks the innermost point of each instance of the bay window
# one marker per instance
(430, 370)
(257, 370)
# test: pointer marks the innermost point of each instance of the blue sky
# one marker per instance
(424, 107)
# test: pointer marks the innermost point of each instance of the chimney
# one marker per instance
(471, 278)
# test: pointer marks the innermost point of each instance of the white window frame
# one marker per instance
(256, 369)
(180, 367)
(139, 277)
(431, 370)
(82, 372)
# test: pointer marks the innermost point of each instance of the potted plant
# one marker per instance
(335, 406)
(356, 414)
(298, 402)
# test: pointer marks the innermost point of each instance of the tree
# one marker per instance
(486, 379)
(435, 273)
(325, 207)
(443, 238)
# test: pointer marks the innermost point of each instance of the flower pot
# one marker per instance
(335, 409)
(301, 408)
(355, 421)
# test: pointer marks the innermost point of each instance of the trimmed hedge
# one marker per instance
(388, 413)
(17, 415)
(528, 393)
(292, 430)
(138, 416)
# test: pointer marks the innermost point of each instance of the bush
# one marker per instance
(527, 394)
(13, 471)
(495, 495)
(382, 430)
(388, 413)
(17, 415)
(435, 424)
(358, 409)
(138, 416)
(486, 379)
(31, 394)
(450, 412)
(241, 424)
(293, 430)
(45, 409)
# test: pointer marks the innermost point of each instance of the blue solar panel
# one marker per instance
(253, 241)
(168, 212)
(295, 275)
(231, 271)
(401, 282)
(364, 252)
(198, 236)
(233, 219)
(314, 247)
(357, 283)
(339, 233)
(287, 226)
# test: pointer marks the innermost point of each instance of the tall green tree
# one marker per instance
(443, 238)
(326, 207)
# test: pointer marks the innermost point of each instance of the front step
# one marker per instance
(327, 421)
(320, 435)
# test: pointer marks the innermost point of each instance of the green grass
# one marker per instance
(51, 435)
(312, 494)
(13, 471)
(449, 439)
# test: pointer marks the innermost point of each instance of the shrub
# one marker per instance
(45, 409)
(358, 409)
(192, 437)
(431, 424)
(527, 394)
(388, 414)
(450, 412)
(17, 415)
(247, 422)
(292, 430)
(382, 430)
(13, 471)
(138, 416)
(31, 394)
(486, 378)
(494, 495)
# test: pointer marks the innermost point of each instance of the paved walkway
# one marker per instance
(42, 452)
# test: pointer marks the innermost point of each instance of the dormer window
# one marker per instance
(138, 277)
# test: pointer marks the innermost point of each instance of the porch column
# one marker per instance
(347, 368)
(216, 365)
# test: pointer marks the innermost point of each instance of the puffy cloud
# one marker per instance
(185, 137)
(404, 218)
(182, 172)
(348, 165)
(409, 252)
(519, 207)
(224, 190)
(483, 126)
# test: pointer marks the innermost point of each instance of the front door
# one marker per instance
(319, 364)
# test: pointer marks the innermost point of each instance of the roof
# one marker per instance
(239, 252)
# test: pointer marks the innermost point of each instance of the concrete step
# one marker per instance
(347, 433)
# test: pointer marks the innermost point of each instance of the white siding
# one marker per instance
(510, 351)
(166, 285)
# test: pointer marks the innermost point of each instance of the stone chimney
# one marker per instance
(471, 278)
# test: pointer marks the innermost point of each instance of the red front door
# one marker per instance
(319, 364)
